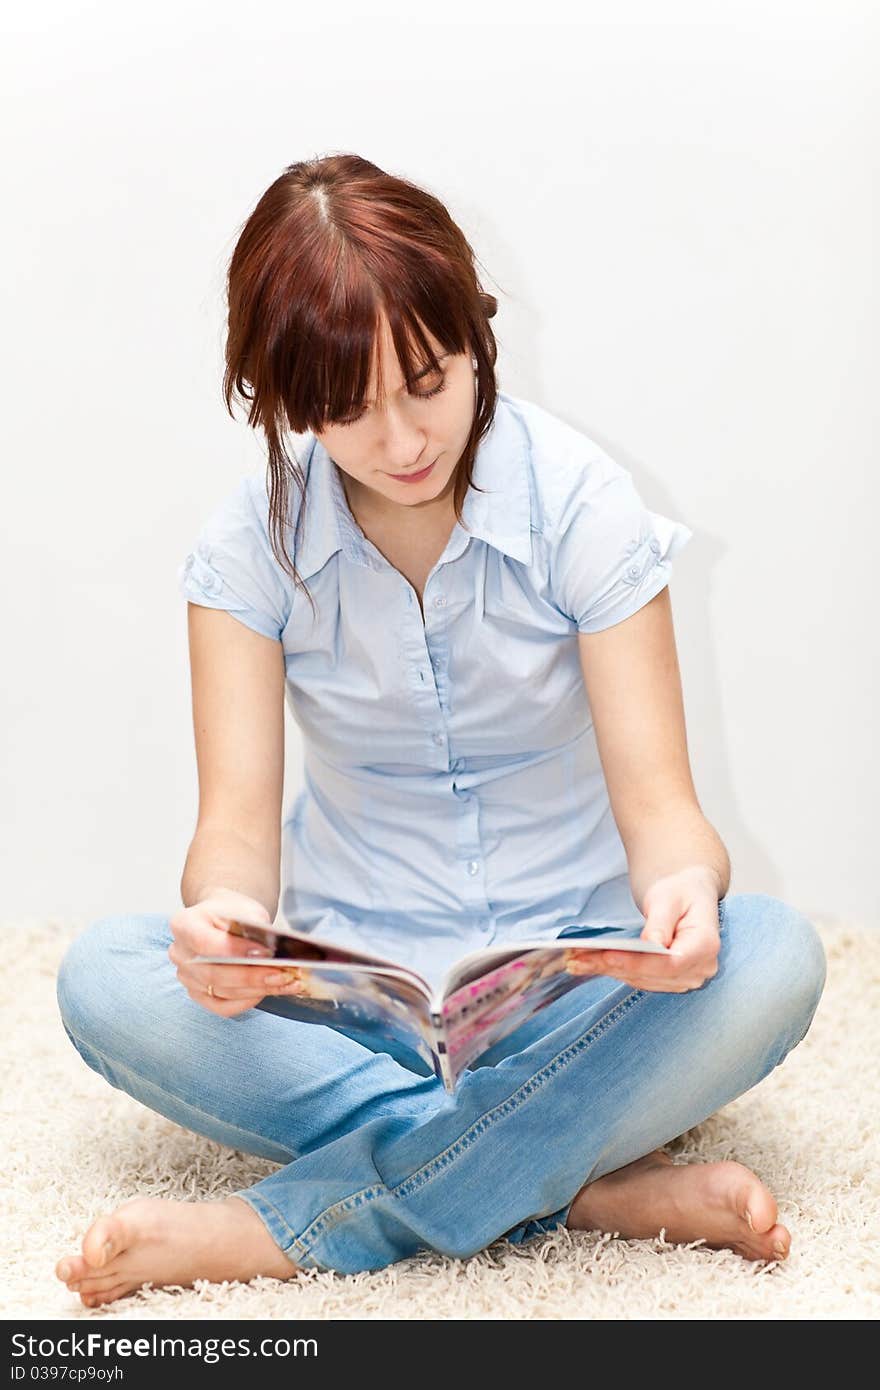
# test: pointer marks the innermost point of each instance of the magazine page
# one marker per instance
(484, 1005)
(346, 994)
(284, 941)
(477, 963)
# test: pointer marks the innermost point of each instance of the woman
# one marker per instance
(473, 628)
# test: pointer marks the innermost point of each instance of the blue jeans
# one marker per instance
(378, 1161)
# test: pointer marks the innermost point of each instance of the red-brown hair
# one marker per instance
(333, 245)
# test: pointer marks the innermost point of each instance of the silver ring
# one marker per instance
(211, 991)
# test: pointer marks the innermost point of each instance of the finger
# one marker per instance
(237, 982)
(654, 974)
(213, 941)
(668, 974)
(205, 937)
(655, 986)
(263, 942)
(247, 984)
(584, 962)
(661, 923)
(291, 981)
(213, 998)
(185, 960)
(226, 1008)
(652, 971)
(697, 939)
(677, 982)
(228, 979)
(615, 962)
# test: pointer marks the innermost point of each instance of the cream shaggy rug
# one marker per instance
(74, 1147)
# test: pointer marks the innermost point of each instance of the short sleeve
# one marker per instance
(611, 554)
(232, 565)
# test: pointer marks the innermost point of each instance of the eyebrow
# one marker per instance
(427, 370)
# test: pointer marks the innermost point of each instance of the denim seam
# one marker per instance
(331, 1216)
(279, 1230)
(112, 1062)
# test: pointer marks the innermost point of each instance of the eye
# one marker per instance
(426, 395)
(420, 395)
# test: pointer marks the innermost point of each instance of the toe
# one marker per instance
(97, 1284)
(773, 1244)
(71, 1267)
(756, 1205)
(104, 1239)
(739, 1189)
(95, 1300)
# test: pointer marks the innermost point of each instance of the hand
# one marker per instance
(200, 930)
(682, 913)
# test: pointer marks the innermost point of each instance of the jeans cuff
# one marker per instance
(280, 1231)
(538, 1225)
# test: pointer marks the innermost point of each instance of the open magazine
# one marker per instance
(483, 997)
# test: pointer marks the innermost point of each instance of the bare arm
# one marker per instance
(238, 724)
(221, 866)
(633, 683)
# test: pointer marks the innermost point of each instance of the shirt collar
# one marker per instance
(501, 515)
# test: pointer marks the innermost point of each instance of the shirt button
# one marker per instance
(438, 738)
(633, 571)
(440, 601)
(473, 867)
(655, 546)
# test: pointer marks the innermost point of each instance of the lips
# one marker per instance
(413, 477)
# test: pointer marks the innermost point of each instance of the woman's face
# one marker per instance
(407, 433)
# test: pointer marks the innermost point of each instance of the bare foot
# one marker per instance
(725, 1203)
(165, 1242)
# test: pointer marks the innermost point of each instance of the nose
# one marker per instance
(400, 443)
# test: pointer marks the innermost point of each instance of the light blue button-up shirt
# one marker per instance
(453, 795)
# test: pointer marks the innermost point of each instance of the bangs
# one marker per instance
(331, 381)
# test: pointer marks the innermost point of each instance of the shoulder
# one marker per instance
(566, 466)
(233, 563)
(603, 552)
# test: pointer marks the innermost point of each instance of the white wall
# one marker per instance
(673, 205)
